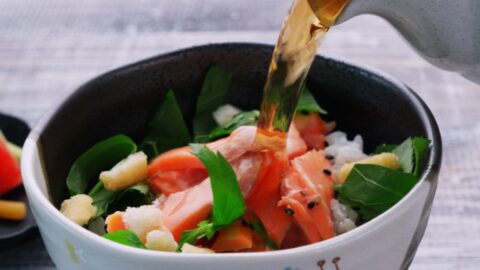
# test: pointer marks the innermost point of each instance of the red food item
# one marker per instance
(10, 176)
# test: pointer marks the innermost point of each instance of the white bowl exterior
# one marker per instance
(380, 244)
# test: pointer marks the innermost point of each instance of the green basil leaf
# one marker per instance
(125, 237)
(373, 189)
(405, 154)
(167, 129)
(212, 95)
(410, 153)
(102, 198)
(204, 229)
(108, 201)
(102, 156)
(228, 202)
(248, 118)
(308, 104)
(384, 148)
(133, 196)
(420, 146)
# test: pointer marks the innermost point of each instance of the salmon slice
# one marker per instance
(312, 129)
(296, 146)
(247, 169)
(184, 210)
(178, 169)
(167, 182)
(294, 238)
(265, 196)
(307, 190)
(175, 170)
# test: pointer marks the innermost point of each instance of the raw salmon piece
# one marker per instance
(312, 129)
(265, 196)
(175, 170)
(184, 210)
(307, 191)
(247, 169)
(167, 182)
(296, 146)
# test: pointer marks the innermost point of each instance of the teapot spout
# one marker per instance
(445, 33)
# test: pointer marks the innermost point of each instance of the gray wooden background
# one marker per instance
(48, 47)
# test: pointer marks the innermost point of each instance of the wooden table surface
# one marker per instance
(49, 47)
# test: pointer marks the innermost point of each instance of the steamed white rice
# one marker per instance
(225, 113)
(344, 217)
(343, 151)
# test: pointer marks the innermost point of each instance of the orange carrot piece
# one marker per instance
(235, 237)
(115, 222)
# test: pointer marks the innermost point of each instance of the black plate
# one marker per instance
(14, 232)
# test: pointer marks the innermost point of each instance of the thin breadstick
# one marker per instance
(12, 210)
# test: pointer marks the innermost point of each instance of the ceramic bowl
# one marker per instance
(122, 101)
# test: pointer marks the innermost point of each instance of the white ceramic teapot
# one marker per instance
(444, 32)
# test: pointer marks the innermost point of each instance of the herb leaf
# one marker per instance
(212, 95)
(204, 229)
(420, 146)
(405, 154)
(373, 189)
(167, 128)
(102, 198)
(384, 148)
(228, 202)
(410, 153)
(102, 156)
(308, 104)
(248, 118)
(108, 201)
(125, 237)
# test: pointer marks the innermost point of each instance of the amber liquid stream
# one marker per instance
(302, 33)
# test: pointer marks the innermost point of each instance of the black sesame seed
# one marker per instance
(327, 172)
(303, 193)
(244, 223)
(326, 144)
(289, 211)
(311, 205)
(329, 157)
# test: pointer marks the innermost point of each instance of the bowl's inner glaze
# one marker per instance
(124, 100)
